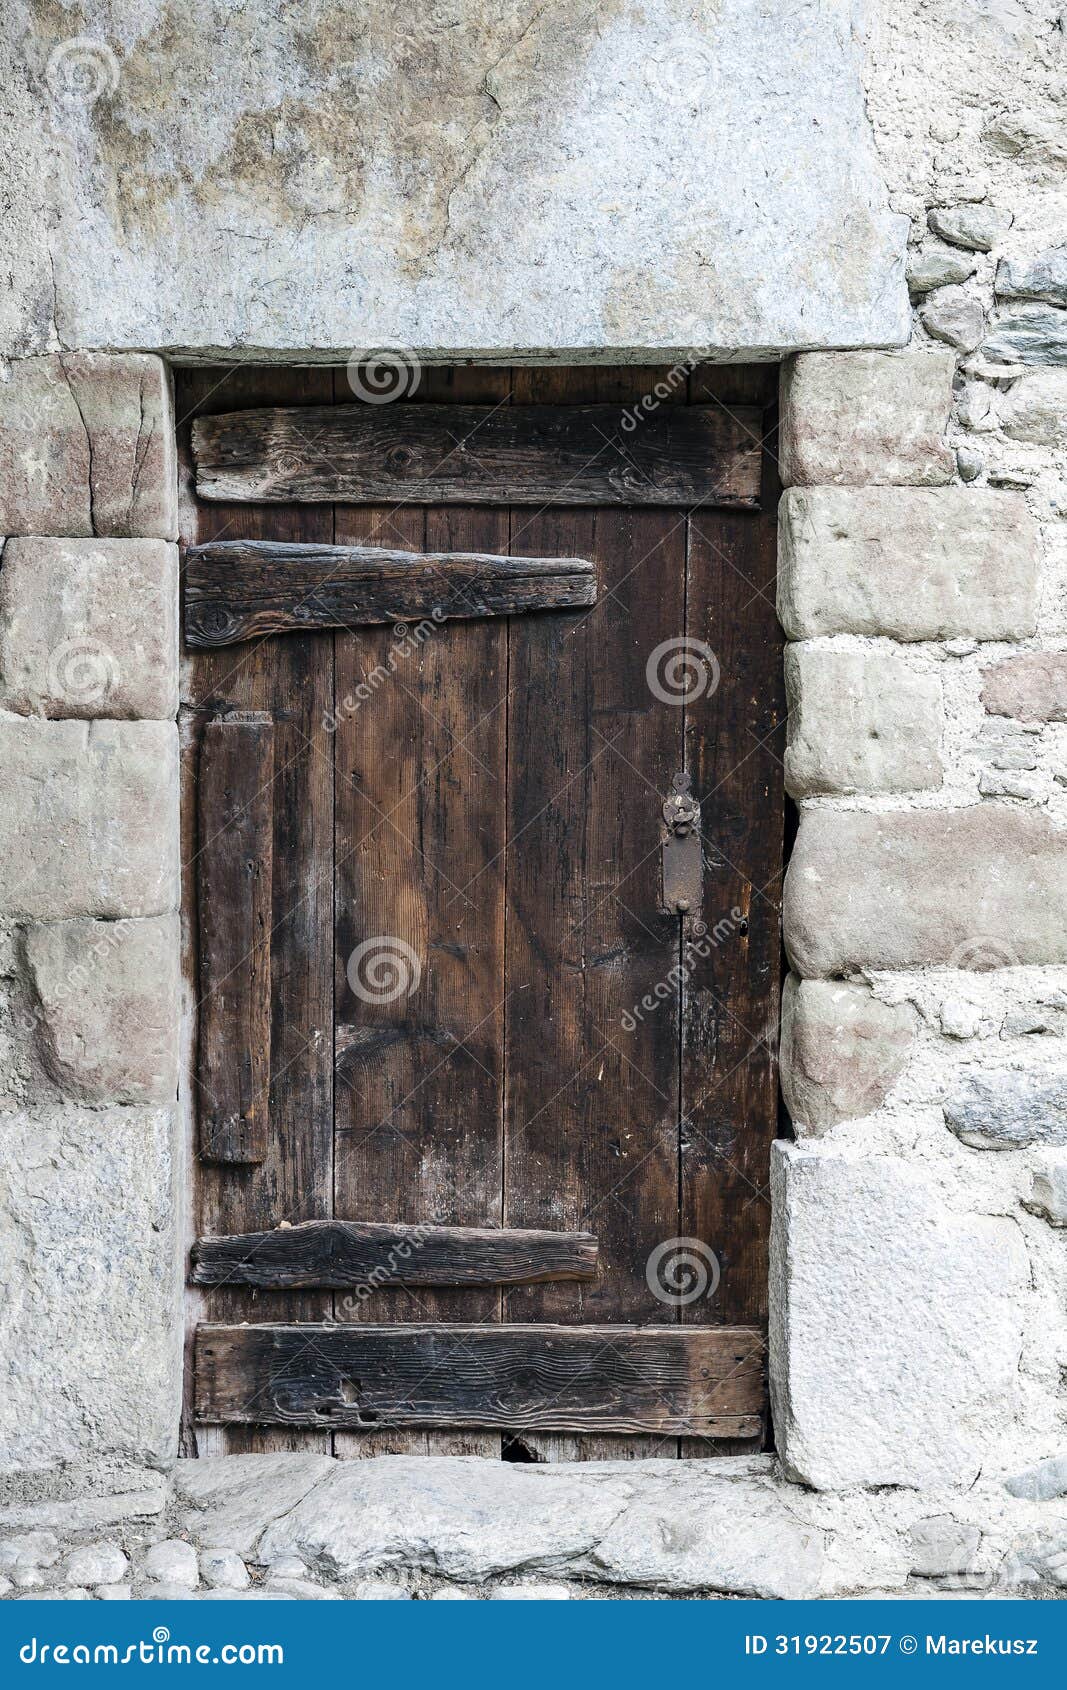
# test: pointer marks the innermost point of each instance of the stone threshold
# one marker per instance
(307, 1526)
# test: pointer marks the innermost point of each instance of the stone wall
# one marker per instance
(89, 941)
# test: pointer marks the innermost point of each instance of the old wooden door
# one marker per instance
(488, 910)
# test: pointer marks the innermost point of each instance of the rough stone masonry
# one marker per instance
(542, 190)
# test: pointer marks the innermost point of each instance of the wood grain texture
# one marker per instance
(592, 1110)
(454, 453)
(343, 1254)
(663, 1380)
(734, 746)
(239, 589)
(291, 679)
(236, 856)
(421, 772)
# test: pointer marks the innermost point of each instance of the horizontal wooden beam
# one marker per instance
(339, 1255)
(660, 1379)
(240, 589)
(475, 454)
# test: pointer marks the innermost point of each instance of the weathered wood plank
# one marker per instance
(514, 454)
(421, 772)
(343, 1254)
(592, 1094)
(292, 679)
(240, 589)
(236, 817)
(730, 991)
(662, 1379)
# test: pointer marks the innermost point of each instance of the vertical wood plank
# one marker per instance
(291, 679)
(592, 1109)
(420, 817)
(236, 855)
(730, 1009)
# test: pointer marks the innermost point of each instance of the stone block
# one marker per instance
(1044, 1483)
(941, 1546)
(96, 1563)
(1037, 336)
(223, 1569)
(978, 228)
(1031, 687)
(1048, 1191)
(89, 628)
(524, 178)
(912, 563)
(88, 819)
(980, 888)
(863, 418)
(881, 1301)
(1043, 277)
(90, 1331)
(952, 315)
(172, 1562)
(841, 1052)
(860, 721)
(1009, 1109)
(937, 267)
(108, 995)
(1034, 409)
(87, 447)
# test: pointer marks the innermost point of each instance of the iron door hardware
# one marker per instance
(681, 854)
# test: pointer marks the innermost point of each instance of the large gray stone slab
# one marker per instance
(881, 1303)
(713, 1525)
(90, 1333)
(89, 628)
(912, 563)
(1009, 1109)
(109, 999)
(555, 179)
(842, 1050)
(978, 888)
(88, 818)
(866, 418)
(471, 1521)
(87, 447)
(860, 721)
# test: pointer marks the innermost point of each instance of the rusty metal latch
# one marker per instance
(682, 854)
